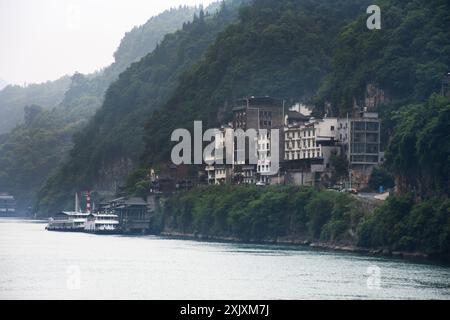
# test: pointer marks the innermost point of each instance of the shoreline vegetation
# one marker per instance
(412, 256)
(321, 219)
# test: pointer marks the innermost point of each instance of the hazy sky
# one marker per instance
(42, 40)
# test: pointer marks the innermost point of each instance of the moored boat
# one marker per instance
(102, 223)
(68, 221)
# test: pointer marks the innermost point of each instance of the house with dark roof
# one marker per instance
(133, 212)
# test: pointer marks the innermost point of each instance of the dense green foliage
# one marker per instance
(141, 40)
(419, 152)
(381, 177)
(299, 50)
(14, 98)
(277, 48)
(406, 58)
(402, 225)
(250, 213)
(136, 44)
(31, 152)
(116, 131)
(253, 213)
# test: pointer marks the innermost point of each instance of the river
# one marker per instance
(37, 264)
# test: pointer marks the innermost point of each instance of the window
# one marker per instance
(372, 126)
(373, 159)
(372, 148)
(360, 126)
(332, 128)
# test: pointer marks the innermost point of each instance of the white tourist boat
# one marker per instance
(68, 221)
(102, 223)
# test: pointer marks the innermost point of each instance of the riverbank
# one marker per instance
(37, 265)
(346, 248)
(323, 219)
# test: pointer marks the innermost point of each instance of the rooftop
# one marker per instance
(132, 201)
(294, 115)
(258, 101)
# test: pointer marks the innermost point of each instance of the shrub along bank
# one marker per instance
(301, 214)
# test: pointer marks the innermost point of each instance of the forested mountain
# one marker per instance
(135, 44)
(32, 150)
(14, 98)
(110, 145)
(58, 109)
(406, 59)
(306, 50)
(278, 48)
(143, 39)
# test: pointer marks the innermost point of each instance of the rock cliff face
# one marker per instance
(112, 174)
(375, 96)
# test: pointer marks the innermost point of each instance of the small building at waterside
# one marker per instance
(133, 212)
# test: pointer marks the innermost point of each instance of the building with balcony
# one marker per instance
(257, 113)
(360, 140)
(219, 164)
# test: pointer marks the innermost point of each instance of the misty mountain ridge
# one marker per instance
(51, 94)
(56, 110)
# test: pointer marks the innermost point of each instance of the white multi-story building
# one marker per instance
(264, 167)
(218, 169)
(306, 141)
(317, 140)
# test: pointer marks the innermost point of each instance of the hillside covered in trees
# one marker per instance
(304, 215)
(313, 51)
(406, 59)
(13, 99)
(278, 48)
(51, 113)
(111, 144)
(135, 45)
(275, 39)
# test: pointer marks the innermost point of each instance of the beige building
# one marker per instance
(218, 170)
